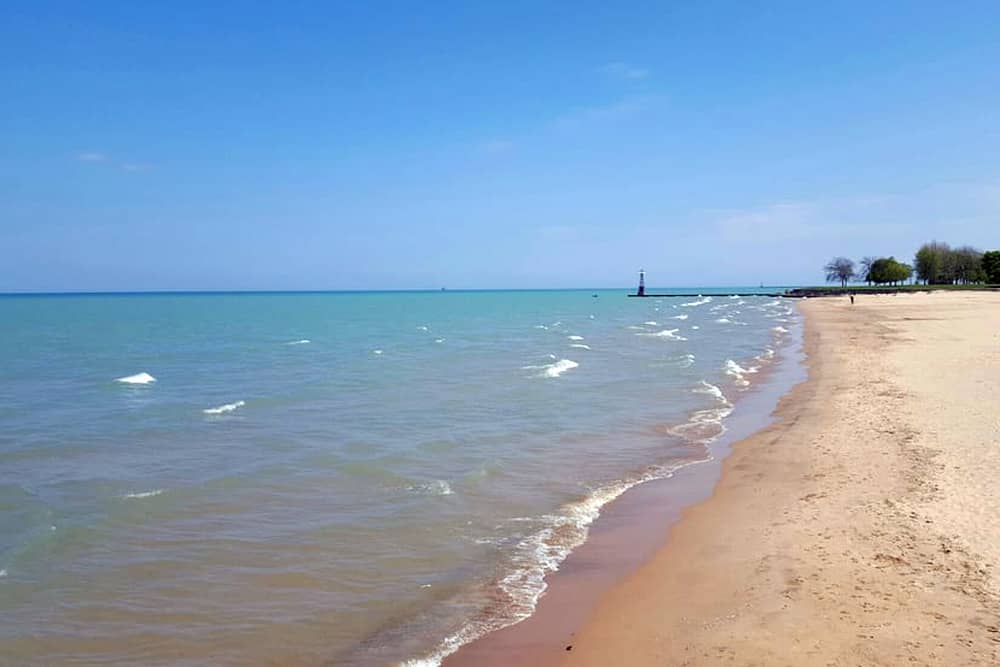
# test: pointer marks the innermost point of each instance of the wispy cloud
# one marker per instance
(620, 70)
(496, 146)
(613, 112)
(104, 158)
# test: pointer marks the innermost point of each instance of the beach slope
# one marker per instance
(863, 528)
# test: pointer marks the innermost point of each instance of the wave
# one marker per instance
(580, 346)
(437, 487)
(710, 389)
(682, 316)
(138, 378)
(439, 340)
(779, 329)
(144, 494)
(554, 369)
(724, 320)
(304, 341)
(700, 301)
(222, 409)
(423, 327)
(376, 351)
(739, 373)
(544, 550)
(650, 324)
(684, 361)
(666, 333)
(575, 337)
(3, 573)
(538, 554)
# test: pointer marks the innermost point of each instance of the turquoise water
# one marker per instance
(346, 478)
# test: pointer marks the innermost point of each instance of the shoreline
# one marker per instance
(640, 518)
(860, 528)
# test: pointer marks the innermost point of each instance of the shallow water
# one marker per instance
(357, 478)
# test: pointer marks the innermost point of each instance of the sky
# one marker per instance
(405, 145)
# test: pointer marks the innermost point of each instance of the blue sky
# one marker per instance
(411, 145)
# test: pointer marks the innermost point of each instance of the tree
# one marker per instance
(839, 269)
(991, 266)
(967, 262)
(866, 268)
(935, 263)
(888, 270)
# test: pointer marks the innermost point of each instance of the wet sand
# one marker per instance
(861, 529)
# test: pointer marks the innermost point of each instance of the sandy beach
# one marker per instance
(861, 529)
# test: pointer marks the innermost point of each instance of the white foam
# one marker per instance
(695, 327)
(723, 320)
(138, 378)
(651, 324)
(710, 389)
(682, 316)
(575, 337)
(304, 341)
(541, 326)
(3, 573)
(437, 487)
(223, 409)
(422, 327)
(535, 556)
(580, 346)
(666, 333)
(734, 296)
(560, 367)
(554, 369)
(439, 340)
(779, 329)
(685, 361)
(376, 351)
(739, 373)
(700, 301)
(144, 494)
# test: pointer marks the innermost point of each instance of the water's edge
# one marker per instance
(626, 531)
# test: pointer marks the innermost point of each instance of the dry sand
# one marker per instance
(862, 529)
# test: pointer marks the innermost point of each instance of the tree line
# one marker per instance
(935, 263)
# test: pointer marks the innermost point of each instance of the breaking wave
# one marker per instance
(138, 378)
(223, 409)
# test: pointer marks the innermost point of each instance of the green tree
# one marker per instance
(934, 263)
(967, 262)
(991, 266)
(839, 269)
(887, 270)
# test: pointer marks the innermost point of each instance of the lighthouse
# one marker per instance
(642, 283)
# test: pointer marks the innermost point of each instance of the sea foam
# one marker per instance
(138, 378)
(304, 341)
(554, 369)
(739, 373)
(144, 494)
(666, 333)
(691, 304)
(223, 409)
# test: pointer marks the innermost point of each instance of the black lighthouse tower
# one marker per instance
(642, 283)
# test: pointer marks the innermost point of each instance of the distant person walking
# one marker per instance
(852, 299)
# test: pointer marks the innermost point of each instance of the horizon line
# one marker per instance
(211, 291)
